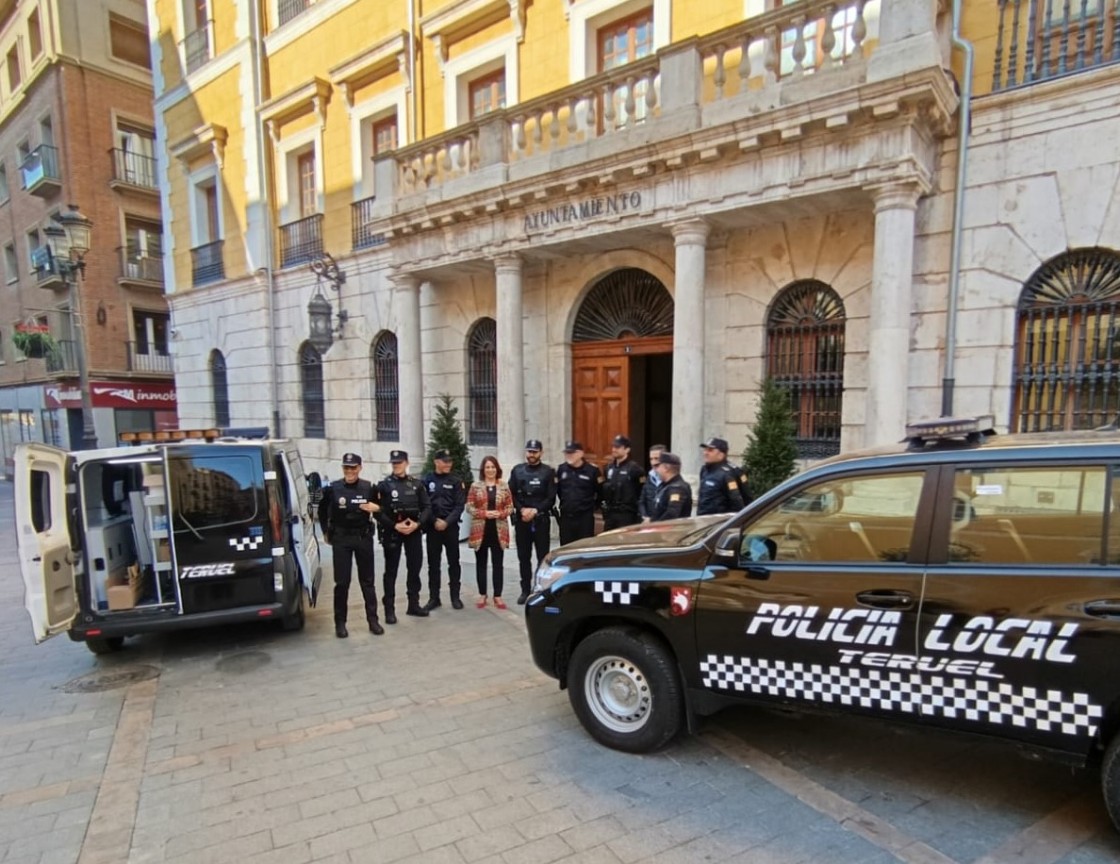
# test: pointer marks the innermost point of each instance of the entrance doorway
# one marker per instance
(622, 364)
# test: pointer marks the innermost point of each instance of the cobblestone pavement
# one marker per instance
(440, 742)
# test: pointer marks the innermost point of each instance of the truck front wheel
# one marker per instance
(1110, 780)
(623, 686)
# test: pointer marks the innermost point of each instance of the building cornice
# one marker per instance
(314, 94)
(379, 59)
(458, 17)
(208, 138)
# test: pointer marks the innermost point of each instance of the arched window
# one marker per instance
(386, 394)
(482, 382)
(311, 379)
(219, 387)
(805, 356)
(1067, 344)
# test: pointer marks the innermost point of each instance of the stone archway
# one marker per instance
(622, 356)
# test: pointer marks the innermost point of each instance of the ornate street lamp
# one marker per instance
(319, 309)
(69, 241)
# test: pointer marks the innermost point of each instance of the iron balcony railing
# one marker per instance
(41, 164)
(289, 9)
(62, 358)
(139, 266)
(134, 168)
(206, 264)
(362, 235)
(302, 240)
(198, 47)
(1042, 39)
(146, 357)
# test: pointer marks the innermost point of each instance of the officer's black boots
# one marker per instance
(375, 627)
(434, 603)
(524, 596)
(340, 631)
(390, 614)
(415, 609)
(456, 603)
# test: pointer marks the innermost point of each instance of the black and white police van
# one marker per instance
(961, 579)
(207, 529)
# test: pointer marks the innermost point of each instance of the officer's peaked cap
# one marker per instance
(713, 444)
(398, 456)
(351, 459)
(443, 455)
(572, 447)
(533, 444)
(621, 441)
(670, 459)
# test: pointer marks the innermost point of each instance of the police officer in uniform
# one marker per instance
(345, 515)
(533, 487)
(674, 495)
(578, 484)
(404, 509)
(721, 483)
(623, 486)
(448, 496)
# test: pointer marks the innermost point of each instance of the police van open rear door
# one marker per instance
(305, 542)
(43, 538)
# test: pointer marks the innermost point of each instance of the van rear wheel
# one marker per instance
(1110, 780)
(105, 644)
(295, 621)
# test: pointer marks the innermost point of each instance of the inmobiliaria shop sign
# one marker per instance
(113, 394)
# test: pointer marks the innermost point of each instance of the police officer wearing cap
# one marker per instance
(448, 496)
(622, 488)
(578, 484)
(533, 487)
(720, 481)
(404, 509)
(345, 515)
(674, 495)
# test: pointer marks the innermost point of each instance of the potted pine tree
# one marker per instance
(771, 454)
(446, 433)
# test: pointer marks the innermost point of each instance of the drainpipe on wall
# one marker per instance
(266, 215)
(413, 125)
(949, 381)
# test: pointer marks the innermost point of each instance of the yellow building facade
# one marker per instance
(587, 217)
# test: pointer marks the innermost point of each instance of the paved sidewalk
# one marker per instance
(440, 742)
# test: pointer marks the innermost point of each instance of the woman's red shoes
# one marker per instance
(481, 604)
(500, 603)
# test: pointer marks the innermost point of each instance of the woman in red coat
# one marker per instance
(489, 505)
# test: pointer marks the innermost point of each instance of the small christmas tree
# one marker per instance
(446, 434)
(771, 454)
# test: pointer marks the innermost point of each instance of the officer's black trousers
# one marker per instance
(438, 541)
(359, 549)
(619, 519)
(413, 546)
(576, 526)
(530, 536)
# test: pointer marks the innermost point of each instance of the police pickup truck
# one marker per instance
(961, 579)
(206, 529)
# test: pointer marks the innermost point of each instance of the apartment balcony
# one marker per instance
(362, 233)
(289, 9)
(140, 270)
(206, 264)
(769, 97)
(1039, 40)
(147, 358)
(46, 270)
(198, 47)
(301, 241)
(62, 359)
(39, 173)
(134, 171)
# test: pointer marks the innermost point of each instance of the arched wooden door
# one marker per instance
(624, 323)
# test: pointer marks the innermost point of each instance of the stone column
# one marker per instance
(410, 380)
(511, 360)
(690, 238)
(892, 278)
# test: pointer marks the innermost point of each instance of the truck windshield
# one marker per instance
(212, 491)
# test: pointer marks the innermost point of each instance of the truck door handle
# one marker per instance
(886, 599)
(1103, 608)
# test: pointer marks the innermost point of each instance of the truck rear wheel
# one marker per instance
(623, 687)
(296, 620)
(1110, 780)
(105, 644)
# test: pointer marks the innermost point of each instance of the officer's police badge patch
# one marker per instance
(341, 501)
(432, 486)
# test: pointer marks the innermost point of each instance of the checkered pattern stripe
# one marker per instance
(243, 544)
(618, 592)
(979, 699)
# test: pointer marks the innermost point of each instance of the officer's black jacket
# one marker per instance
(339, 507)
(401, 498)
(720, 489)
(533, 486)
(578, 489)
(649, 495)
(673, 500)
(447, 496)
(623, 486)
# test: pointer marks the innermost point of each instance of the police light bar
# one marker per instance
(950, 428)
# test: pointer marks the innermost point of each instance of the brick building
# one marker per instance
(76, 128)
